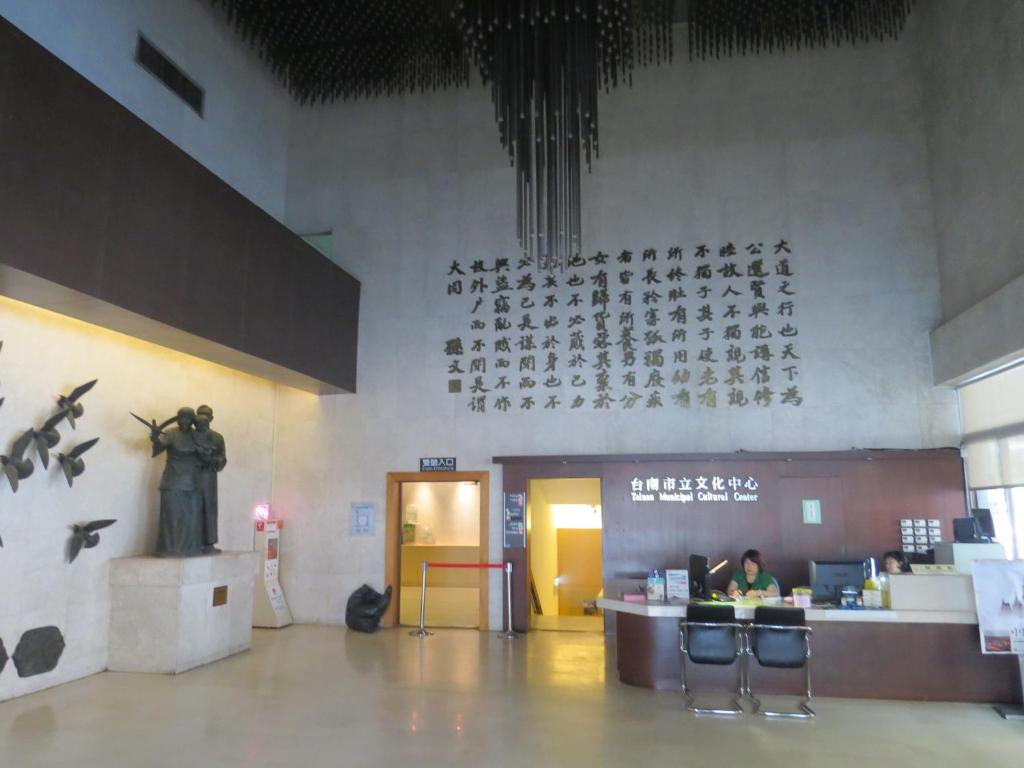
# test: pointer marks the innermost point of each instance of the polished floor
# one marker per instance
(567, 623)
(319, 696)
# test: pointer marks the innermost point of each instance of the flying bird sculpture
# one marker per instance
(72, 463)
(47, 437)
(85, 535)
(70, 402)
(17, 466)
(154, 428)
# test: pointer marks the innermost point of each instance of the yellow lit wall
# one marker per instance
(542, 496)
(543, 547)
(451, 510)
(44, 355)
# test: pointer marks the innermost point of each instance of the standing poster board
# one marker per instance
(999, 596)
(270, 609)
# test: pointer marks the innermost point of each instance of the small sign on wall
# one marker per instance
(812, 511)
(438, 464)
(361, 523)
(515, 521)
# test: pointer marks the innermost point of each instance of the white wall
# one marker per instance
(824, 148)
(45, 355)
(242, 136)
(972, 66)
(973, 71)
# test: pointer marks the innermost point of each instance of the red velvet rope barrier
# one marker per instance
(466, 565)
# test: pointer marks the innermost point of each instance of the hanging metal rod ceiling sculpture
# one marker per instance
(727, 27)
(545, 61)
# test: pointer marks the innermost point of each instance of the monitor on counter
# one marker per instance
(984, 528)
(698, 577)
(829, 577)
(964, 530)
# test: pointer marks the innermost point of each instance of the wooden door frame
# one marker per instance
(393, 534)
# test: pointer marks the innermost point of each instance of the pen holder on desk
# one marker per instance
(801, 597)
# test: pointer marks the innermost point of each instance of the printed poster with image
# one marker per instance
(999, 597)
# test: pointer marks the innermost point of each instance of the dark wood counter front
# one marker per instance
(877, 660)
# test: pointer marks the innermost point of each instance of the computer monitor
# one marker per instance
(698, 577)
(829, 577)
(965, 530)
(984, 528)
(922, 558)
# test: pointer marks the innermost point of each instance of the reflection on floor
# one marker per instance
(321, 696)
(568, 623)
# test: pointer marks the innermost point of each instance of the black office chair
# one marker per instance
(710, 634)
(780, 638)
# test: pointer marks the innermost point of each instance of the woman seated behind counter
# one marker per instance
(895, 562)
(752, 580)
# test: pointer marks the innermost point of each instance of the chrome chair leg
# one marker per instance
(691, 705)
(804, 709)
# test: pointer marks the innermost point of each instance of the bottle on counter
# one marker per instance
(883, 580)
(872, 593)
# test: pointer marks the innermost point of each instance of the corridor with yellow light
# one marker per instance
(564, 543)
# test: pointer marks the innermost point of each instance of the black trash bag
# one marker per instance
(365, 608)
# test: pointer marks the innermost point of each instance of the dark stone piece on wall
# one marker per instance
(38, 651)
(3, 656)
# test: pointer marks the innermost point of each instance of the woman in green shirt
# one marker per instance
(752, 580)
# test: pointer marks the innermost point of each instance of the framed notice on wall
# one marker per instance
(515, 521)
(999, 596)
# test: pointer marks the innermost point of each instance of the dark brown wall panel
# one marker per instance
(914, 662)
(214, 296)
(54, 161)
(270, 282)
(143, 239)
(146, 242)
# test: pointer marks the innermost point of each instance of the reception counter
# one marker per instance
(885, 654)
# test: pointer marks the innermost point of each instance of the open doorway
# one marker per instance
(437, 519)
(564, 553)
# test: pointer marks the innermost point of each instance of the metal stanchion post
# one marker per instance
(508, 633)
(422, 632)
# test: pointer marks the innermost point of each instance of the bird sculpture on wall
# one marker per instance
(47, 437)
(17, 466)
(154, 428)
(71, 462)
(70, 402)
(85, 535)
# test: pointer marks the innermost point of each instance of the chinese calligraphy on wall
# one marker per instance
(698, 327)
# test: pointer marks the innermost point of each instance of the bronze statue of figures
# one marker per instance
(212, 459)
(188, 486)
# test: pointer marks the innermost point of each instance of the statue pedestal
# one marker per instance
(170, 615)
